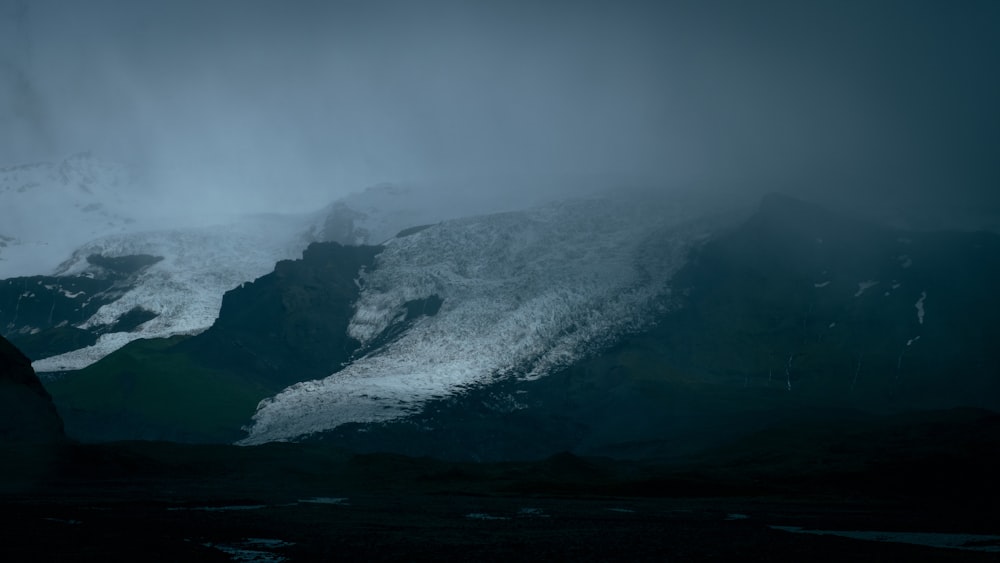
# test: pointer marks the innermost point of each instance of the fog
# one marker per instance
(283, 106)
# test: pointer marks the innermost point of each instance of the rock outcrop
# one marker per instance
(27, 414)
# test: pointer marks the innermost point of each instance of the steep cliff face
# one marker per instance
(27, 414)
(291, 324)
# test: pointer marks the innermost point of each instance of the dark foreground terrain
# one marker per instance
(119, 524)
(153, 501)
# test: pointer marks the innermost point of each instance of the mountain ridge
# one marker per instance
(793, 280)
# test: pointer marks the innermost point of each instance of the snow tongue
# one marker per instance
(522, 293)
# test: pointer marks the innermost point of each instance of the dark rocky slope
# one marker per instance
(26, 410)
(42, 315)
(31, 433)
(291, 324)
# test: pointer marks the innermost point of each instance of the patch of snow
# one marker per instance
(532, 512)
(622, 510)
(904, 261)
(970, 542)
(912, 340)
(822, 284)
(523, 293)
(920, 307)
(736, 516)
(256, 550)
(268, 542)
(862, 286)
(339, 501)
(64, 521)
(230, 508)
(484, 516)
(833, 324)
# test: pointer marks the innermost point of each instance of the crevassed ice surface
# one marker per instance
(201, 264)
(524, 293)
(185, 289)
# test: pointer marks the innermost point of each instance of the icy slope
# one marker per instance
(201, 263)
(48, 209)
(184, 289)
(524, 293)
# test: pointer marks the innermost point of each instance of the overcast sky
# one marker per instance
(290, 104)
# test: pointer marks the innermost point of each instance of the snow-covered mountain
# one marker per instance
(614, 324)
(62, 214)
(48, 209)
(523, 293)
(184, 289)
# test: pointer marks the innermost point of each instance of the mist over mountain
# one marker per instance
(251, 107)
(693, 280)
(600, 323)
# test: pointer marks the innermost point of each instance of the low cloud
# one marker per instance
(263, 106)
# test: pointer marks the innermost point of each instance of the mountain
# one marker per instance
(65, 224)
(523, 293)
(120, 288)
(182, 290)
(796, 314)
(87, 301)
(607, 327)
(87, 268)
(282, 329)
(46, 315)
(284, 326)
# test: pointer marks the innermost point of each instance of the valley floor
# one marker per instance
(168, 519)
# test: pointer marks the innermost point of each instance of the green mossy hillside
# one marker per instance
(285, 327)
(150, 390)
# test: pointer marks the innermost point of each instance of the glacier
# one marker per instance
(523, 292)
(185, 289)
(202, 259)
(200, 263)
